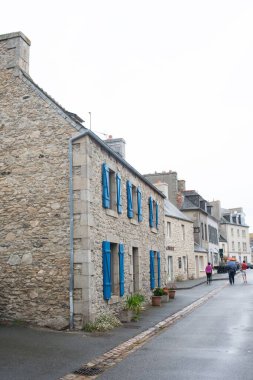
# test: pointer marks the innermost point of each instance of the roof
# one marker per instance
(222, 239)
(118, 157)
(174, 212)
(198, 248)
(71, 117)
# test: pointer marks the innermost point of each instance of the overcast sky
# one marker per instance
(173, 78)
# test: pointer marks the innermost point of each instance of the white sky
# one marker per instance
(174, 78)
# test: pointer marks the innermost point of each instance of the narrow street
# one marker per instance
(213, 342)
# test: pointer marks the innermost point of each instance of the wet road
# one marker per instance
(214, 342)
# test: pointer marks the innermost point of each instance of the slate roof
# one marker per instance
(174, 212)
(222, 239)
(198, 248)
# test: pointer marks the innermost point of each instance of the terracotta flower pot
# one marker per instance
(172, 294)
(156, 300)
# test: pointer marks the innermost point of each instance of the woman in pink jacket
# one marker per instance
(209, 271)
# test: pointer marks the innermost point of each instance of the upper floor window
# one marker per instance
(153, 213)
(168, 231)
(238, 233)
(134, 202)
(232, 232)
(111, 182)
(239, 246)
(233, 245)
(183, 231)
(244, 246)
(243, 233)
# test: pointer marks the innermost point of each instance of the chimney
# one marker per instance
(14, 51)
(163, 187)
(118, 145)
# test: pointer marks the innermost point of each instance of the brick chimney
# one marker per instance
(14, 51)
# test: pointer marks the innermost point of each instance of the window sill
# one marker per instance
(112, 213)
(154, 230)
(134, 222)
(113, 300)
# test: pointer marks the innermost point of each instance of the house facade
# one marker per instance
(234, 230)
(179, 244)
(80, 228)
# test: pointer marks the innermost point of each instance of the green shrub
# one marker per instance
(103, 322)
(158, 292)
(134, 303)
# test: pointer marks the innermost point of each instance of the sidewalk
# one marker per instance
(189, 284)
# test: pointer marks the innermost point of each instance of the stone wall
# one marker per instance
(34, 209)
(95, 224)
(178, 247)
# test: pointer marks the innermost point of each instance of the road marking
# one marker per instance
(117, 354)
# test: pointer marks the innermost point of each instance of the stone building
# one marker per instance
(179, 244)
(234, 231)
(206, 226)
(80, 228)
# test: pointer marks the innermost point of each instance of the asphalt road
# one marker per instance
(214, 342)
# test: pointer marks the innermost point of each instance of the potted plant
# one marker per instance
(157, 296)
(132, 307)
(172, 290)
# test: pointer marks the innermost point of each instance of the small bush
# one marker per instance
(134, 303)
(103, 322)
(158, 292)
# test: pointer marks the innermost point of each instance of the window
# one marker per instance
(223, 247)
(179, 262)
(243, 233)
(168, 231)
(213, 234)
(239, 247)
(113, 269)
(183, 231)
(201, 263)
(153, 213)
(238, 233)
(202, 231)
(111, 195)
(205, 233)
(244, 247)
(134, 202)
(245, 258)
(155, 269)
(232, 232)
(233, 245)
(136, 269)
(184, 264)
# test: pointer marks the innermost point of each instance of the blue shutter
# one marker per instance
(119, 197)
(157, 215)
(130, 212)
(151, 213)
(159, 269)
(106, 249)
(152, 270)
(139, 204)
(106, 186)
(121, 270)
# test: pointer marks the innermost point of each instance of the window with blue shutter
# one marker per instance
(130, 212)
(157, 215)
(139, 205)
(151, 212)
(158, 269)
(119, 196)
(106, 186)
(121, 270)
(106, 252)
(152, 270)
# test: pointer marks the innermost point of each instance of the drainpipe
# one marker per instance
(71, 237)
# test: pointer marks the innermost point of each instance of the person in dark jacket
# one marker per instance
(231, 273)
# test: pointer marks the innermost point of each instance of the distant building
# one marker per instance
(234, 231)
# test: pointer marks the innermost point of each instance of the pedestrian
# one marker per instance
(231, 273)
(244, 266)
(209, 271)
